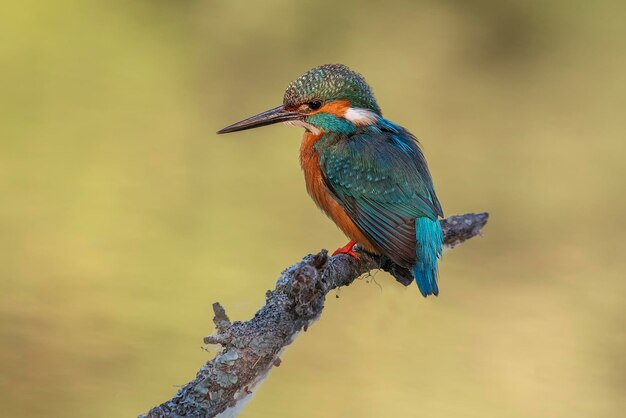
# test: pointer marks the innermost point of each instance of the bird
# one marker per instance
(365, 172)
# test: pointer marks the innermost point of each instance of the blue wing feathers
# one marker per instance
(380, 177)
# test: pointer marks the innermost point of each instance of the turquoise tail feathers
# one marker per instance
(429, 244)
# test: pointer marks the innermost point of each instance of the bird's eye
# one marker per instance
(315, 104)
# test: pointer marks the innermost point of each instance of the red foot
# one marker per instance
(347, 249)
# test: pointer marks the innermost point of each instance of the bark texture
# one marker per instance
(250, 349)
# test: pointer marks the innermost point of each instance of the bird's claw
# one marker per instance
(347, 249)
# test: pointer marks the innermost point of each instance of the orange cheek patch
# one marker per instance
(337, 108)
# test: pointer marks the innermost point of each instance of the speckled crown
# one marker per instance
(331, 82)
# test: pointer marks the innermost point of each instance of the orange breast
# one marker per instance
(309, 160)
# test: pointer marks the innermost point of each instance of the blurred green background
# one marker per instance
(124, 216)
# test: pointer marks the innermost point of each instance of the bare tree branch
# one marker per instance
(225, 384)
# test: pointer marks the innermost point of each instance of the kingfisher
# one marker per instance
(365, 172)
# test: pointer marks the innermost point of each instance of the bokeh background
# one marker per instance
(124, 216)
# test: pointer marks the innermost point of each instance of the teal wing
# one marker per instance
(381, 179)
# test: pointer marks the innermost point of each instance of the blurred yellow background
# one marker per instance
(124, 216)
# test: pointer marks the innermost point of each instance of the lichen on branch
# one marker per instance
(250, 349)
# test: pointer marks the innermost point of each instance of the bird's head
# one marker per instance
(328, 98)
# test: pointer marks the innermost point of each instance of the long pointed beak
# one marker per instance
(269, 117)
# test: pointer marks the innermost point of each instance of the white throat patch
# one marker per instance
(305, 125)
(361, 117)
